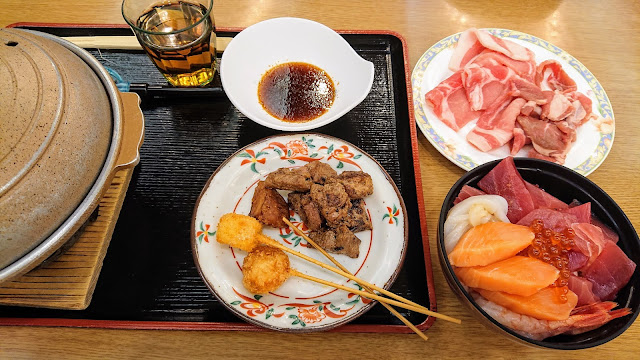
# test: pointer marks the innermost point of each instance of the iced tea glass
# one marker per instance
(178, 36)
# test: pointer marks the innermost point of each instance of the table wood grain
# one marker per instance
(601, 34)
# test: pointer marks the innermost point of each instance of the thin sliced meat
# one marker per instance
(558, 107)
(505, 180)
(536, 155)
(610, 272)
(552, 219)
(487, 85)
(467, 192)
(606, 231)
(495, 126)
(509, 48)
(543, 199)
(528, 91)
(546, 137)
(551, 76)
(449, 102)
(524, 69)
(584, 289)
(577, 260)
(589, 241)
(581, 212)
(583, 110)
(518, 275)
(519, 140)
(543, 305)
(487, 243)
(467, 48)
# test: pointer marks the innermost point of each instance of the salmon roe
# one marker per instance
(553, 248)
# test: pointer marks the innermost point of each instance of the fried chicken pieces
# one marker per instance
(329, 204)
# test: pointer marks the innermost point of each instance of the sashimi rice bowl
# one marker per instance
(540, 253)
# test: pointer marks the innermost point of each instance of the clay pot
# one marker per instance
(64, 132)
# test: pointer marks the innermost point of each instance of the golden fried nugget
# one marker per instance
(239, 231)
(265, 269)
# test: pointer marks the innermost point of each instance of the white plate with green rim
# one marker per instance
(298, 305)
(594, 138)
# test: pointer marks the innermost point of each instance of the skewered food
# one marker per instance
(265, 269)
(239, 231)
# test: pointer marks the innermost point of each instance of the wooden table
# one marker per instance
(601, 34)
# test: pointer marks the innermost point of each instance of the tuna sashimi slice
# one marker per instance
(610, 271)
(552, 219)
(608, 233)
(449, 102)
(505, 180)
(584, 289)
(581, 212)
(467, 192)
(488, 243)
(543, 199)
(577, 260)
(518, 275)
(589, 241)
(543, 305)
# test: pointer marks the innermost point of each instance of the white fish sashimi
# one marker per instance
(473, 211)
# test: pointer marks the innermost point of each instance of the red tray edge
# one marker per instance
(352, 328)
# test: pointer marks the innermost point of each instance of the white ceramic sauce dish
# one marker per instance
(272, 42)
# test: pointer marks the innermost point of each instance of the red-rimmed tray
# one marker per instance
(148, 280)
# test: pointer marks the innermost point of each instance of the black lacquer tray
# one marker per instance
(149, 279)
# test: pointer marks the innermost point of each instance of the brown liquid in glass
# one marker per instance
(296, 92)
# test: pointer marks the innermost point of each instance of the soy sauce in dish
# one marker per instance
(296, 92)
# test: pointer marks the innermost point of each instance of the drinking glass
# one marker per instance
(179, 37)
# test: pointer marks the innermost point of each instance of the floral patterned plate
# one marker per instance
(298, 305)
(594, 139)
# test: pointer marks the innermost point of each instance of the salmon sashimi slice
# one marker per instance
(517, 275)
(488, 243)
(543, 305)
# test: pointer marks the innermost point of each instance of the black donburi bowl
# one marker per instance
(566, 185)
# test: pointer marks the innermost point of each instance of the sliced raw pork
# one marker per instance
(550, 76)
(509, 48)
(558, 106)
(610, 271)
(487, 85)
(450, 104)
(495, 126)
(524, 69)
(547, 138)
(504, 180)
(467, 48)
(584, 289)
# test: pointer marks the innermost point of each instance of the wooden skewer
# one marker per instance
(268, 241)
(341, 267)
(294, 272)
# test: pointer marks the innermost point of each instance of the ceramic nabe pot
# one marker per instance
(65, 131)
